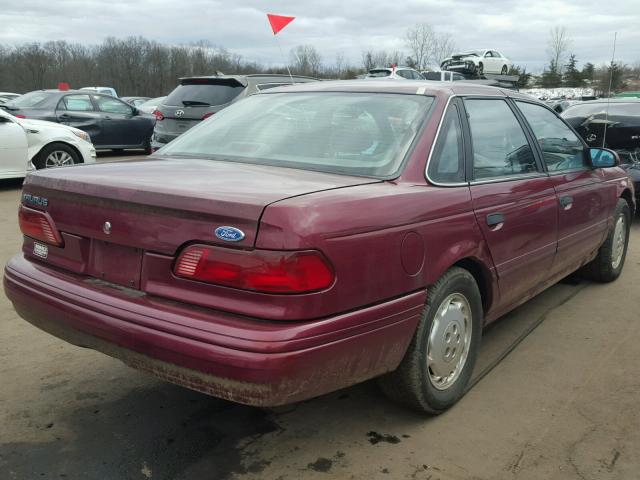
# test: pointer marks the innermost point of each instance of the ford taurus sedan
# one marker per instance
(315, 236)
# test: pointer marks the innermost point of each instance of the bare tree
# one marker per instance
(558, 46)
(305, 60)
(420, 40)
(443, 46)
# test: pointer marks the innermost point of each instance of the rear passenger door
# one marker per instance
(513, 198)
(581, 194)
(77, 111)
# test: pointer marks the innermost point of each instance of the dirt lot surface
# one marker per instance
(565, 404)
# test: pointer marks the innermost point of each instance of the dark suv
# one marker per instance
(197, 98)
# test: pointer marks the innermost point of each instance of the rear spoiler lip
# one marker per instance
(213, 80)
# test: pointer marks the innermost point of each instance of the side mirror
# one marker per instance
(603, 158)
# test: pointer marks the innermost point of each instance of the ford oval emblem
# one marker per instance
(229, 234)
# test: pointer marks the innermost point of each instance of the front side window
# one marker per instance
(447, 162)
(500, 147)
(112, 105)
(365, 134)
(76, 103)
(561, 148)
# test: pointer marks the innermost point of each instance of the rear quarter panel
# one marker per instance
(383, 240)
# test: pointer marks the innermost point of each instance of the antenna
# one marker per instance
(286, 64)
(606, 115)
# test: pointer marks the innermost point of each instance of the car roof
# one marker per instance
(612, 100)
(426, 87)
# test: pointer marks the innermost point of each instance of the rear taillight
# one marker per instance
(20, 116)
(265, 271)
(39, 225)
(207, 115)
(158, 114)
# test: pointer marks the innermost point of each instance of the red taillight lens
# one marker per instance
(207, 115)
(20, 116)
(38, 225)
(265, 271)
(158, 114)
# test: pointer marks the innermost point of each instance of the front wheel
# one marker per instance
(607, 266)
(504, 70)
(480, 69)
(440, 359)
(56, 155)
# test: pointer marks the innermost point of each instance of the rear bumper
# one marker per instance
(243, 360)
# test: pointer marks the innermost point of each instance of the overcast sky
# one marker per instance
(517, 28)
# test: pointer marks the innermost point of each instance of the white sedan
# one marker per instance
(478, 62)
(27, 144)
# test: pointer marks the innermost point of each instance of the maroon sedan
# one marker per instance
(315, 236)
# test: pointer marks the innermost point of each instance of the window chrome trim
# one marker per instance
(523, 176)
(433, 146)
(437, 136)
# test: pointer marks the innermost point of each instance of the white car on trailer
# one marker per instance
(478, 62)
(28, 144)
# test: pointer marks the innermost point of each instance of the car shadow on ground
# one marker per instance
(165, 432)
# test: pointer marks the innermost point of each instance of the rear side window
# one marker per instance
(500, 147)
(204, 94)
(561, 148)
(432, 75)
(447, 162)
(267, 86)
(76, 103)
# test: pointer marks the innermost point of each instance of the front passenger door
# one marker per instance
(120, 127)
(583, 199)
(513, 199)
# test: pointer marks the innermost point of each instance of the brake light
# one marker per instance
(39, 225)
(266, 271)
(158, 114)
(20, 116)
(207, 115)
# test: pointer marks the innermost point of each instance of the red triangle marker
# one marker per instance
(278, 22)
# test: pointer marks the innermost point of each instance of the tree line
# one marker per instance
(138, 66)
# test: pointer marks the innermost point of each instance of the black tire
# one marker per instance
(504, 70)
(411, 383)
(148, 150)
(53, 149)
(480, 69)
(605, 268)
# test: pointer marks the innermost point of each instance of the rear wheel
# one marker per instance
(440, 359)
(607, 266)
(56, 155)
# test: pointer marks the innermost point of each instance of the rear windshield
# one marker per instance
(30, 100)
(203, 94)
(379, 73)
(365, 134)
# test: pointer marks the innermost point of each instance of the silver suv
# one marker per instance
(197, 98)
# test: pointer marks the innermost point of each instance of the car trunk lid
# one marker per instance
(111, 214)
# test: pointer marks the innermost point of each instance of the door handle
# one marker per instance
(495, 219)
(107, 117)
(566, 201)
(64, 116)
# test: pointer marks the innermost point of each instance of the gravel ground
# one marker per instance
(565, 404)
